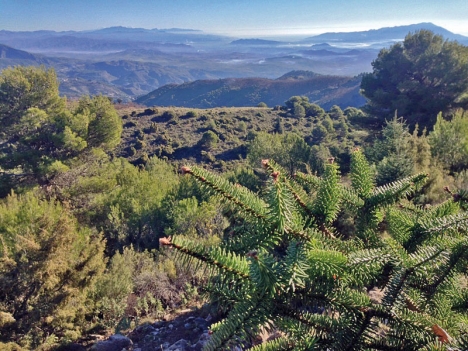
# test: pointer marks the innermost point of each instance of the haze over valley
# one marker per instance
(126, 63)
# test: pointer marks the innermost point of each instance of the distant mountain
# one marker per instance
(299, 75)
(322, 89)
(255, 42)
(321, 46)
(126, 62)
(7, 52)
(106, 39)
(397, 33)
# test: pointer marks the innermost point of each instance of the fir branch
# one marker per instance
(280, 178)
(244, 321)
(363, 325)
(362, 178)
(446, 272)
(308, 179)
(453, 223)
(282, 210)
(280, 344)
(299, 195)
(351, 198)
(250, 236)
(225, 261)
(263, 272)
(294, 269)
(238, 195)
(389, 194)
(322, 325)
(327, 203)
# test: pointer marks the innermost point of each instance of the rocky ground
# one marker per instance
(187, 331)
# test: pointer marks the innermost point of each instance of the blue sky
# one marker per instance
(261, 18)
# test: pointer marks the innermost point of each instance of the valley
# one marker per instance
(126, 63)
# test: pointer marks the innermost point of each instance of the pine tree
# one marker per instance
(395, 281)
(48, 266)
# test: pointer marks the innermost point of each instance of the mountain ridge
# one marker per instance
(386, 33)
(325, 90)
(129, 62)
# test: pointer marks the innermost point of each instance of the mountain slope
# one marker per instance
(7, 52)
(322, 89)
(387, 34)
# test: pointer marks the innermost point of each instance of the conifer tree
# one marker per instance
(395, 281)
(48, 266)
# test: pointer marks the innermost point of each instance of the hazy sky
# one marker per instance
(233, 17)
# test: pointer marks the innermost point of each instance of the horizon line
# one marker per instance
(282, 32)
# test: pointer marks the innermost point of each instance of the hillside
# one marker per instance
(321, 89)
(7, 52)
(175, 133)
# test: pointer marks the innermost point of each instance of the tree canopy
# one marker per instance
(419, 78)
(40, 133)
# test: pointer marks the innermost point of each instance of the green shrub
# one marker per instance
(209, 140)
(241, 127)
(140, 144)
(169, 116)
(191, 114)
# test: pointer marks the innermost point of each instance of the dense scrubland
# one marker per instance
(301, 215)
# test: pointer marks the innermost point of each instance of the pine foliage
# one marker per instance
(396, 281)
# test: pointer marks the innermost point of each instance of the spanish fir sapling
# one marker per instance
(396, 281)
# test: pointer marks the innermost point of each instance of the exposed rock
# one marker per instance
(186, 332)
(72, 347)
(180, 345)
(116, 342)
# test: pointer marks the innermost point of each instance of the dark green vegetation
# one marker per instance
(323, 90)
(418, 78)
(180, 134)
(372, 260)
(39, 134)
